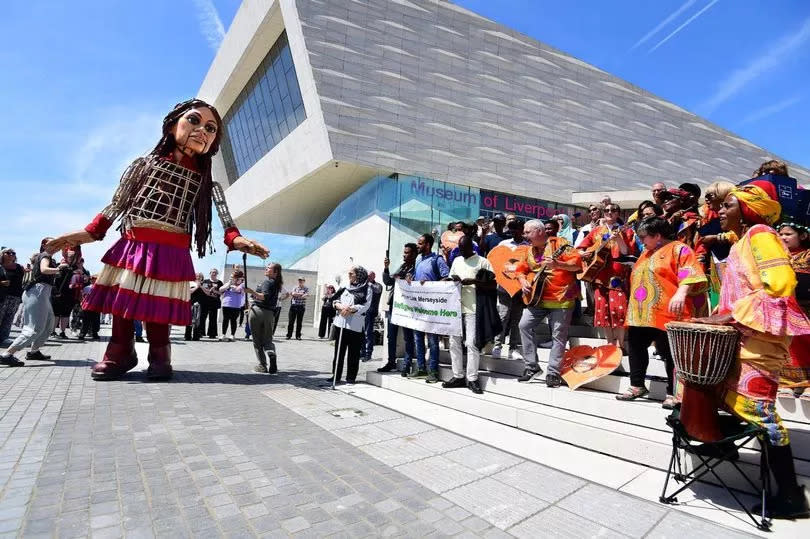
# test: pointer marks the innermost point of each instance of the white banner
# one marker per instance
(433, 307)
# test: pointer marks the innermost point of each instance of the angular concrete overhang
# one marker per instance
(429, 89)
(293, 187)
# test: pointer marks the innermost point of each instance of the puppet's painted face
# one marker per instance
(195, 131)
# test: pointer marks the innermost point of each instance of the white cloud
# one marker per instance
(764, 112)
(688, 21)
(672, 16)
(769, 60)
(109, 147)
(210, 24)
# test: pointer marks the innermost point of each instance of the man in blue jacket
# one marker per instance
(429, 267)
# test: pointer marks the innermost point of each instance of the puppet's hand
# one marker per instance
(71, 239)
(241, 243)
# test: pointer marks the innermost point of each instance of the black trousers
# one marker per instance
(193, 333)
(230, 315)
(297, 318)
(640, 338)
(91, 323)
(209, 312)
(327, 315)
(350, 350)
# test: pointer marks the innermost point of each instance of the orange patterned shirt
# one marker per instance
(561, 290)
(656, 277)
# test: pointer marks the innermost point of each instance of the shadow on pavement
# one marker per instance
(182, 376)
(62, 363)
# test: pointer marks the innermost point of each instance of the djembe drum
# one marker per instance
(703, 354)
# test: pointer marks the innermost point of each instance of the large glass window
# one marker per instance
(266, 111)
(415, 205)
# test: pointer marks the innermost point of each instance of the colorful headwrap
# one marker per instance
(758, 203)
(565, 227)
(679, 193)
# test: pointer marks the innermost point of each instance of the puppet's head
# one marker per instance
(194, 127)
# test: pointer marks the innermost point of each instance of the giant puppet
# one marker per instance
(163, 200)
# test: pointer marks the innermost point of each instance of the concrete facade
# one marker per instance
(427, 88)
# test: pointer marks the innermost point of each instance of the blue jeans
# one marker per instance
(368, 332)
(138, 328)
(433, 344)
(407, 335)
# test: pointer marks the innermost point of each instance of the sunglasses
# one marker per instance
(196, 120)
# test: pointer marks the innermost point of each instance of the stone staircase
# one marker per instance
(625, 445)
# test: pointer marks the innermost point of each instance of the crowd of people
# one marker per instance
(44, 299)
(734, 260)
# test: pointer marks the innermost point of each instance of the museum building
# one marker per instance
(361, 124)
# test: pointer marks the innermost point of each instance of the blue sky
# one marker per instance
(86, 83)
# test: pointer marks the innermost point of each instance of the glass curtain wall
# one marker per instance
(267, 110)
(415, 205)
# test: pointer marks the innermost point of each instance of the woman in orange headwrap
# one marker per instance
(757, 297)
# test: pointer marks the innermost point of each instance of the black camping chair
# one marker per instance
(711, 455)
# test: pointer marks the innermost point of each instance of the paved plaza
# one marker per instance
(222, 452)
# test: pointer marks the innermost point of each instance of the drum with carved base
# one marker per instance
(702, 354)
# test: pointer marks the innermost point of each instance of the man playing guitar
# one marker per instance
(602, 249)
(550, 260)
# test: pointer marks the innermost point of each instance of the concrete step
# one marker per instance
(620, 431)
(707, 501)
(790, 409)
(603, 405)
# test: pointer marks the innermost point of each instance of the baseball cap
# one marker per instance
(499, 217)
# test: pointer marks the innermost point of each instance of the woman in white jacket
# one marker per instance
(351, 304)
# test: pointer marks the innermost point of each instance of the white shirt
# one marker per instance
(356, 321)
(467, 268)
(512, 244)
(583, 233)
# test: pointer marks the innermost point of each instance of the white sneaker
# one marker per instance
(496, 352)
(516, 355)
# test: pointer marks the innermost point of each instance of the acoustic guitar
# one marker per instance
(601, 253)
(535, 296)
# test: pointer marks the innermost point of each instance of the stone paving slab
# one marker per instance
(224, 452)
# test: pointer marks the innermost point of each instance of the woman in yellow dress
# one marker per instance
(757, 297)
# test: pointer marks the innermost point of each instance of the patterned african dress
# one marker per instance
(797, 372)
(610, 287)
(656, 277)
(758, 291)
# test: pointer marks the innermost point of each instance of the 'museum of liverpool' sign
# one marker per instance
(531, 208)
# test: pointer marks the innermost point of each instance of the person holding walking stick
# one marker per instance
(351, 305)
